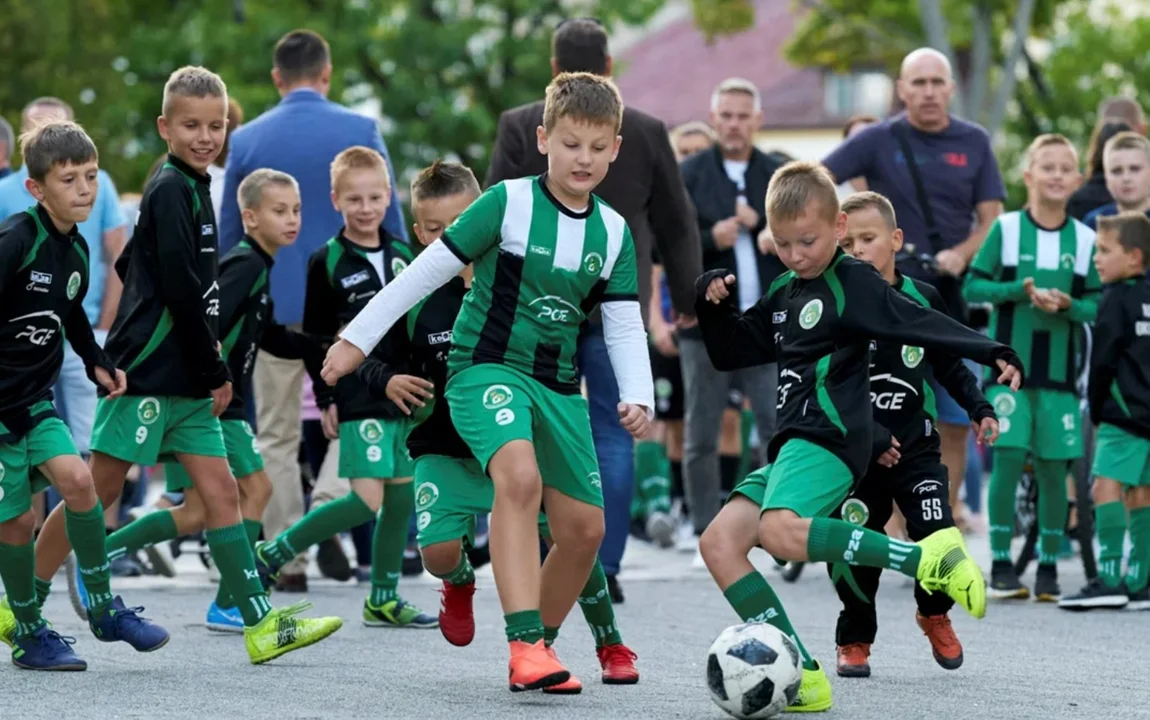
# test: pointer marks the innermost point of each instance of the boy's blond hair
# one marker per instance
(251, 190)
(192, 81)
(694, 127)
(358, 157)
(870, 199)
(585, 98)
(1132, 230)
(796, 185)
(1049, 140)
(1127, 140)
(443, 179)
(59, 142)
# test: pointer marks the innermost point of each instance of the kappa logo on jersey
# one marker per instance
(855, 511)
(398, 265)
(355, 279)
(890, 399)
(73, 285)
(1004, 404)
(426, 495)
(811, 314)
(497, 396)
(912, 356)
(207, 229)
(926, 487)
(555, 309)
(33, 332)
(540, 250)
(439, 338)
(779, 318)
(37, 280)
(593, 263)
(148, 411)
(371, 431)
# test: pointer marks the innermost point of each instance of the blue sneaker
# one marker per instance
(77, 593)
(124, 623)
(46, 649)
(225, 619)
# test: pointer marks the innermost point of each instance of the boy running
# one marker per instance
(165, 333)
(817, 321)
(43, 281)
(342, 277)
(1119, 391)
(546, 252)
(908, 469)
(1035, 269)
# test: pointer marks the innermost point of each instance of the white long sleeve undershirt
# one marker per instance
(627, 347)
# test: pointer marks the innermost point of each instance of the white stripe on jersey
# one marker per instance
(615, 225)
(517, 216)
(1049, 249)
(570, 236)
(1009, 224)
(1084, 252)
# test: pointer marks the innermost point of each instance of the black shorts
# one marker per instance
(668, 375)
(918, 485)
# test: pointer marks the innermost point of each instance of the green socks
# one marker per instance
(43, 587)
(1052, 502)
(389, 540)
(1138, 566)
(155, 527)
(550, 635)
(525, 626)
(595, 602)
(755, 601)
(321, 523)
(237, 565)
(17, 571)
(1111, 521)
(1008, 466)
(223, 595)
(87, 535)
(835, 541)
(463, 574)
(652, 480)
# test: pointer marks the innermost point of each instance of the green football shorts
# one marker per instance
(244, 456)
(1045, 422)
(491, 405)
(374, 449)
(20, 478)
(1122, 456)
(148, 430)
(804, 478)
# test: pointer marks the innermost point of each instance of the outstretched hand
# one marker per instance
(720, 289)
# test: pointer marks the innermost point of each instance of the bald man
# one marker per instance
(963, 188)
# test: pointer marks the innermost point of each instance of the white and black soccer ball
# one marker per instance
(753, 670)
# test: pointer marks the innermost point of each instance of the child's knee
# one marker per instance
(442, 558)
(18, 530)
(722, 540)
(521, 487)
(780, 534)
(75, 486)
(256, 489)
(1138, 497)
(1106, 490)
(218, 491)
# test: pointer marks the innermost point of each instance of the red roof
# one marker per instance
(671, 73)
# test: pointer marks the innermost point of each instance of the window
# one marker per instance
(855, 93)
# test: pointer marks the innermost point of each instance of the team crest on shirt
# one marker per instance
(73, 285)
(371, 431)
(1004, 404)
(663, 388)
(148, 411)
(496, 397)
(811, 314)
(855, 511)
(398, 265)
(1067, 261)
(912, 356)
(593, 263)
(426, 495)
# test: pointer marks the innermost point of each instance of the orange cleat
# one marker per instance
(854, 660)
(618, 662)
(534, 666)
(456, 615)
(947, 649)
(571, 687)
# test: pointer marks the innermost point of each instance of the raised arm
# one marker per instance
(734, 340)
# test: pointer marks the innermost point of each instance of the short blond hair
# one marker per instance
(694, 127)
(796, 185)
(251, 190)
(1049, 140)
(1126, 140)
(194, 82)
(870, 199)
(585, 98)
(358, 157)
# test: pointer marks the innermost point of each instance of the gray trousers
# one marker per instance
(706, 391)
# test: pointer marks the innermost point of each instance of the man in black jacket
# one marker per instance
(728, 185)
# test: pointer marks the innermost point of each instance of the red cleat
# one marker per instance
(456, 616)
(943, 642)
(618, 663)
(534, 667)
(571, 687)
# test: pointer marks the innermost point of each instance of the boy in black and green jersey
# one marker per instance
(43, 281)
(1035, 269)
(342, 276)
(270, 204)
(1119, 391)
(817, 322)
(546, 252)
(451, 489)
(165, 334)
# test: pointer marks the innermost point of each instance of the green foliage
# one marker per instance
(723, 17)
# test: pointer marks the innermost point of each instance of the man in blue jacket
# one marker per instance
(300, 136)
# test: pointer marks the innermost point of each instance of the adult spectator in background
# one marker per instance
(216, 169)
(728, 185)
(854, 126)
(946, 190)
(644, 185)
(300, 136)
(691, 138)
(1114, 116)
(7, 147)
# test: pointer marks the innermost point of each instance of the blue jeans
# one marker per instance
(614, 446)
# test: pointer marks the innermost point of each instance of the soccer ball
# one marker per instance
(753, 670)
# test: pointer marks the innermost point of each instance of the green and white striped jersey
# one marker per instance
(540, 269)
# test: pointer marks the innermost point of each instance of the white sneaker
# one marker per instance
(661, 529)
(687, 542)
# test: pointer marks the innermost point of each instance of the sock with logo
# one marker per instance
(1008, 466)
(18, 573)
(326, 521)
(86, 534)
(232, 552)
(652, 480)
(390, 540)
(155, 527)
(833, 541)
(1052, 503)
(753, 599)
(524, 626)
(1138, 564)
(595, 602)
(43, 587)
(223, 594)
(1111, 520)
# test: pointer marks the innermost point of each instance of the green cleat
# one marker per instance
(947, 566)
(814, 692)
(399, 614)
(7, 623)
(281, 632)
